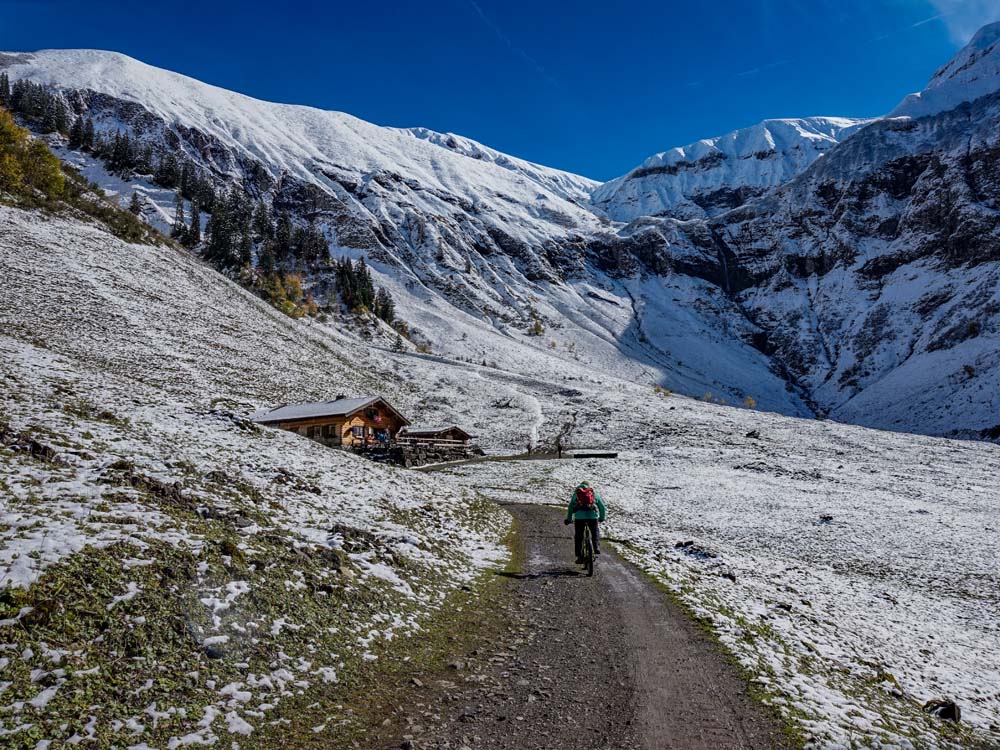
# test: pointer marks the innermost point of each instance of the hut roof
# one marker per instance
(341, 407)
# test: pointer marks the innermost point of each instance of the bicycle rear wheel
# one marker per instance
(588, 552)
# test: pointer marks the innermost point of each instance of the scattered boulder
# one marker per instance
(754, 434)
(690, 548)
(943, 708)
(826, 518)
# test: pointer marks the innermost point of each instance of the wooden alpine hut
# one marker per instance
(348, 422)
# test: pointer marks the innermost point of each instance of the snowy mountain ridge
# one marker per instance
(746, 266)
(715, 174)
(287, 138)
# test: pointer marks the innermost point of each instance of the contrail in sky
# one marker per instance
(513, 47)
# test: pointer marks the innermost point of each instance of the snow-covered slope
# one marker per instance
(973, 73)
(712, 175)
(131, 370)
(295, 140)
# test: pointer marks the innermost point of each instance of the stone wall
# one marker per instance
(420, 455)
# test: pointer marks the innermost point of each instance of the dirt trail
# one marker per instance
(603, 662)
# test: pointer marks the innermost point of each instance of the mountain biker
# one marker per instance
(586, 508)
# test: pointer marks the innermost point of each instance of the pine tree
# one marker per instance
(283, 246)
(262, 226)
(245, 250)
(265, 259)
(365, 285)
(76, 134)
(4, 90)
(144, 160)
(135, 205)
(346, 283)
(89, 137)
(61, 115)
(49, 123)
(167, 172)
(179, 228)
(385, 308)
(192, 238)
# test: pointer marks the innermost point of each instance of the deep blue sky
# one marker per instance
(592, 87)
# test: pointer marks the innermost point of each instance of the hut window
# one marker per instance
(358, 432)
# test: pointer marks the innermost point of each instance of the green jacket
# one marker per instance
(597, 512)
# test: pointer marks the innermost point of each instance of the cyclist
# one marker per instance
(586, 508)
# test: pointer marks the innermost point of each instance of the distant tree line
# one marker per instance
(357, 290)
(46, 109)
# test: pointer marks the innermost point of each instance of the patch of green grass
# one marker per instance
(149, 648)
(369, 691)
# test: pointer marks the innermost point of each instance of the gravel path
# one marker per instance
(603, 662)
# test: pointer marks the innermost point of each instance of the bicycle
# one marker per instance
(588, 552)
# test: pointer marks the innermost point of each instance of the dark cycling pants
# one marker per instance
(578, 534)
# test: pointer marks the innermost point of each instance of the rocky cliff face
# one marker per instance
(875, 273)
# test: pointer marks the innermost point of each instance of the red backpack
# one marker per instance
(584, 498)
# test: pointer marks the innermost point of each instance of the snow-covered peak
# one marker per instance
(769, 135)
(971, 74)
(705, 177)
(300, 141)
